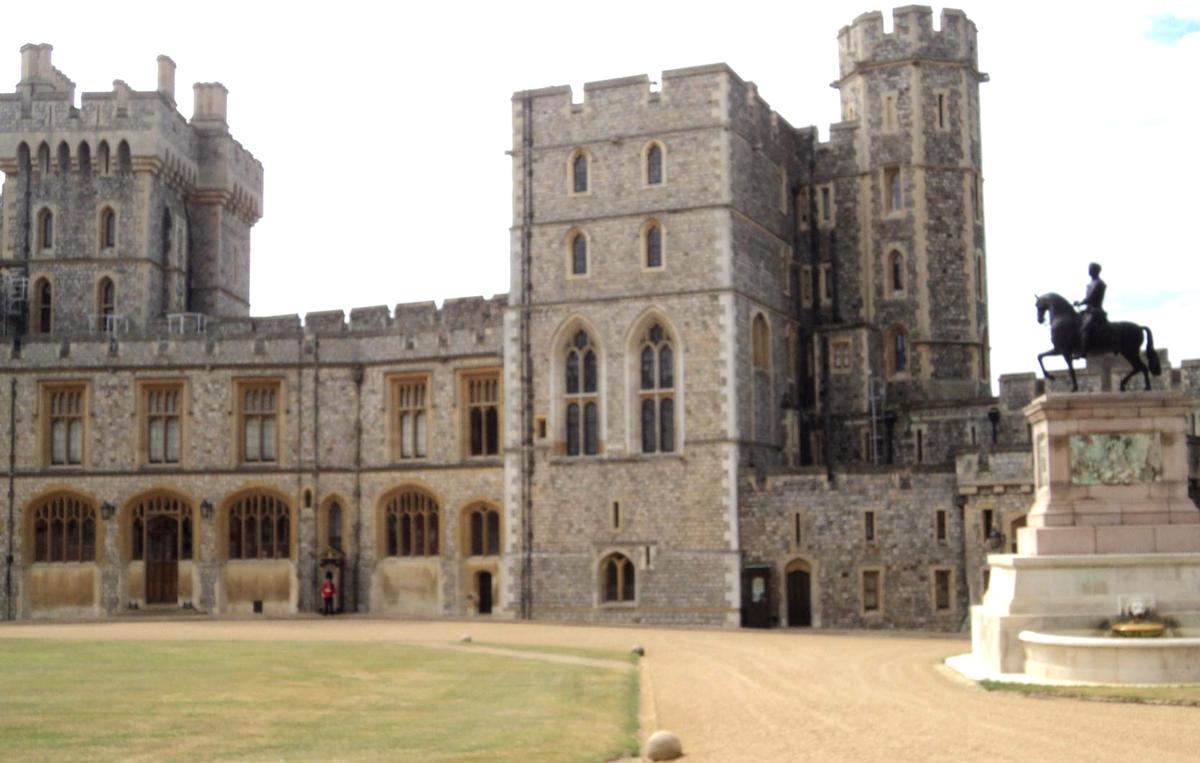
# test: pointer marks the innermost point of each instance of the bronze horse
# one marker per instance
(1120, 338)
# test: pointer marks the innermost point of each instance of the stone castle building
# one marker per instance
(741, 375)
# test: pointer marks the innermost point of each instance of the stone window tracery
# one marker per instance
(656, 393)
(64, 530)
(618, 579)
(411, 520)
(581, 399)
(259, 527)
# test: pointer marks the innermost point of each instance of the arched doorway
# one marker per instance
(162, 560)
(798, 575)
(483, 592)
(160, 536)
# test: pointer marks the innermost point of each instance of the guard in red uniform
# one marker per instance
(327, 592)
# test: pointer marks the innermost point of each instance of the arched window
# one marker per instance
(23, 160)
(108, 228)
(44, 159)
(656, 393)
(411, 524)
(760, 340)
(64, 530)
(102, 158)
(897, 351)
(148, 510)
(618, 579)
(896, 268)
(106, 304)
(64, 158)
(483, 531)
(582, 402)
(165, 249)
(579, 254)
(652, 242)
(124, 160)
(45, 229)
(579, 172)
(979, 291)
(85, 158)
(654, 164)
(260, 527)
(43, 306)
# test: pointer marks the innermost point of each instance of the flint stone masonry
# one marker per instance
(771, 470)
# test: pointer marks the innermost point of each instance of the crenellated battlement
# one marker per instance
(864, 42)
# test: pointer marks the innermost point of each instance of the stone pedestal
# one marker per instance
(1111, 523)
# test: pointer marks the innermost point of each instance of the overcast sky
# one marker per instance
(383, 129)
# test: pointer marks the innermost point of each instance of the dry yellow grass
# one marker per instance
(224, 700)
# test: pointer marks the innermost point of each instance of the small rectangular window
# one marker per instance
(410, 409)
(840, 350)
(940, 526)
(64, 432)
(891, 122)
(258, 414)
(482, 409)
(826, 204)
(826, 283)
(941, 590)
(869, 526)
(161, 410)
(806, 290)
(986, 524)
(892, 200)
(796, 520)
(920, 446)
(941, 111)
(616, 515)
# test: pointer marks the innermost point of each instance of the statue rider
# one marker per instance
(1094, 317)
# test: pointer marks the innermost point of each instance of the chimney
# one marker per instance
(166, 77)
(210, 103)
(35, 62)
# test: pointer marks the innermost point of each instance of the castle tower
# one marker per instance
(915, 95)
(119, 212)
(892, 260)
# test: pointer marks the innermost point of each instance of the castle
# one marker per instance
(741, 375)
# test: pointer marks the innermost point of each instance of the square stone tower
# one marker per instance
(119, 212)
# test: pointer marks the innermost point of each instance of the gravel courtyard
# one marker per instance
(772, 695)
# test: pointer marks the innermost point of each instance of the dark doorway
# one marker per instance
(483, 592)
(756, 597)
(799, 598)
(162, 560)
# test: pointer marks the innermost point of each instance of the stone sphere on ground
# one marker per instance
(663, 745)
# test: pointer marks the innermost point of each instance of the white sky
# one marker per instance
(383, 127)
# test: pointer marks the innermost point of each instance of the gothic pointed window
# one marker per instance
(85, 159)
(654, 164)
(44, 159)
(45, 229)
(43, 306)
(102, 158)
(653, 245)
(579, 254)
(64, 158)
(108, 228)
(760, 340)
(896, 267)
(106, 305)
(63, 530)
(897, 351)
(581, 398)
(656, 391)
(579, 172)
(618, 579)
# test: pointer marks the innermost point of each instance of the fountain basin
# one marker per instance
(1112, 660)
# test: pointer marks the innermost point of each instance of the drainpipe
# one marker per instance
(356, 374)
(527, 455)
(12, 468)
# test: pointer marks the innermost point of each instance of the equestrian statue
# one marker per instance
(1088, 332)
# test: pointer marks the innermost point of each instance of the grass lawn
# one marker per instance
(1156, 695)
(192, 700)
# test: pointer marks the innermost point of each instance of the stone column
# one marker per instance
(110, 567)
(206, 560)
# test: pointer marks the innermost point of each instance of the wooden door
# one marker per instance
(162, 560)
(799, 593)
(483, 593)
(756, 598)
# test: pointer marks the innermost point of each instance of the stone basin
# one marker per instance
(1084, 656)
